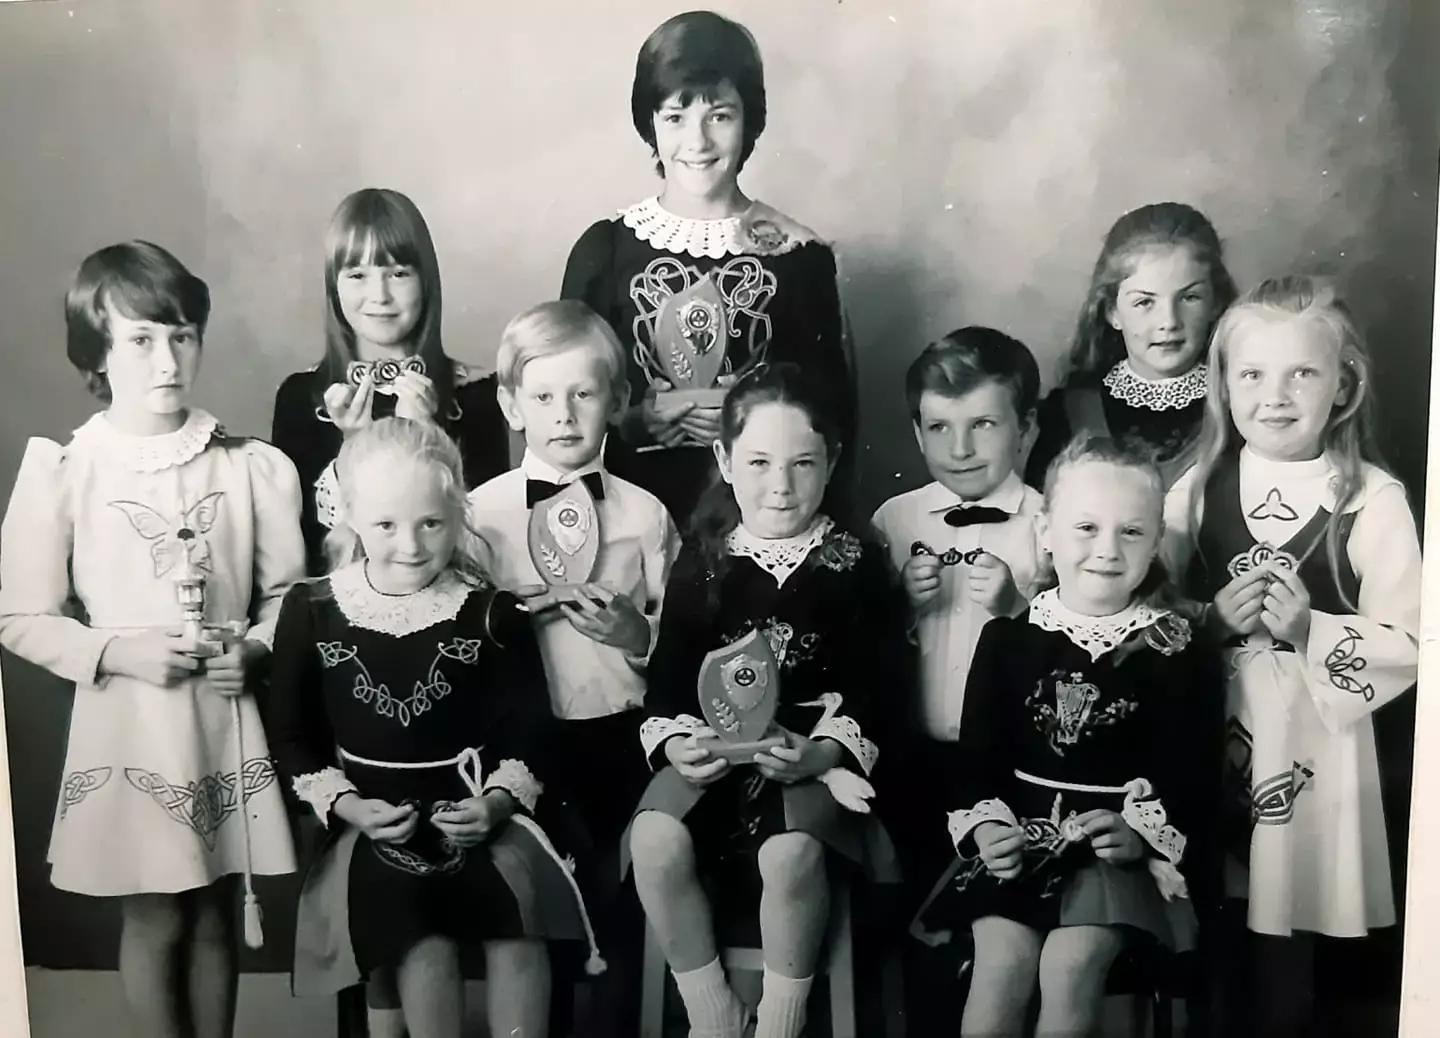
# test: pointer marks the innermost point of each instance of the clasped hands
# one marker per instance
(464, 823)
(1111, 838)
(798, 759)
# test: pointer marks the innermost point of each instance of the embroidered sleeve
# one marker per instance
(963, 823)
(320, 790)
(846, 731)
(37, 607)
(656, 731)
(327, 497)
(516, 779)
(1356, 663)
(279, 552)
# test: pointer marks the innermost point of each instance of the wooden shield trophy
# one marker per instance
(691, 336)
(564, 536)
(739, 688)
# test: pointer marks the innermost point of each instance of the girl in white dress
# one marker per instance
(155, 801)
(1308, 552)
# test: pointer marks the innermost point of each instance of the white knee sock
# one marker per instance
(782, 1006)
(713, 1008)
(385, 1023)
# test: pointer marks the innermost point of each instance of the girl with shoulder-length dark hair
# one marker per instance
(383, 356)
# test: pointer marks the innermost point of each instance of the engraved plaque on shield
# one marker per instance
(691, 336)
(564, 536)
(739, 689)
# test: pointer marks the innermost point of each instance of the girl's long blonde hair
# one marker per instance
(1349, 438)
(407, 443)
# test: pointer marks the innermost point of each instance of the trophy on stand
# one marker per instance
(739, 688)
(564, 537)
(687, 346)
(190, 593)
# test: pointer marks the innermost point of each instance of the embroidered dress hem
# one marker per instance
(145, 809)
(364, 905)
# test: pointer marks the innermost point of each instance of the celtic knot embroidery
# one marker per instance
(1273, 800)
(1344, 660)
(422, 697)
(1073, 711)
(406, 860)
(204, 804)
(746, 288)
(80, 784)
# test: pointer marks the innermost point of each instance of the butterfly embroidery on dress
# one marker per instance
(1273, 507)
(171, 539)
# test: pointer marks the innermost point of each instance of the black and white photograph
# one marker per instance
(806, 519)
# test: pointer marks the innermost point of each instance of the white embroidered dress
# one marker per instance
(1300, 736)
(151, 788)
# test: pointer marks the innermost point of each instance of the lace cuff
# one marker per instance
(320, 789)
(519, 781)
(963, 822)
(1144, 813)
(327, 497)
(655, 730)
(846, 731)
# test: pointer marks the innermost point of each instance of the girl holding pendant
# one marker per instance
(160, 789)
(1308, 552)
(701, 266)
(766, 558)
(429, 681)
(1078, 783)
(1137, 365)
(383, 356)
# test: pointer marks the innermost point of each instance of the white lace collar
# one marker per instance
(397, 615)
(152, 453)
(780, 557)
(1097, 635)
(760, 230)
(1166, 394)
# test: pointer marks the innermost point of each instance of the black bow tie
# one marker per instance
(537, 490)
(975, 515)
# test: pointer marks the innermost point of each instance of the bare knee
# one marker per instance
(1076, 962)
(660, 845)
(1006, 951)
(213, 910)
(156, 919)
(519, 956)
(792, 861)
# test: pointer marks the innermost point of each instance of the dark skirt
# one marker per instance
(364, 905)
(1064, 885)
(732, 817)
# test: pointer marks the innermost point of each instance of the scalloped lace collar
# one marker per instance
(1166, 394)
(1097, 635)
(397, 615)
(760, 230)
(152, 453)
(781, 557)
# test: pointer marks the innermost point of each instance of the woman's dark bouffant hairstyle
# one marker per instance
(141, 281)
(693, 54)
(784, 383)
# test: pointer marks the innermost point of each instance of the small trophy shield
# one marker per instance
(739, 688)
(691, 336)
(564, 536)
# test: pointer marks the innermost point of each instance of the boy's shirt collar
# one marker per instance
(1008, 497)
